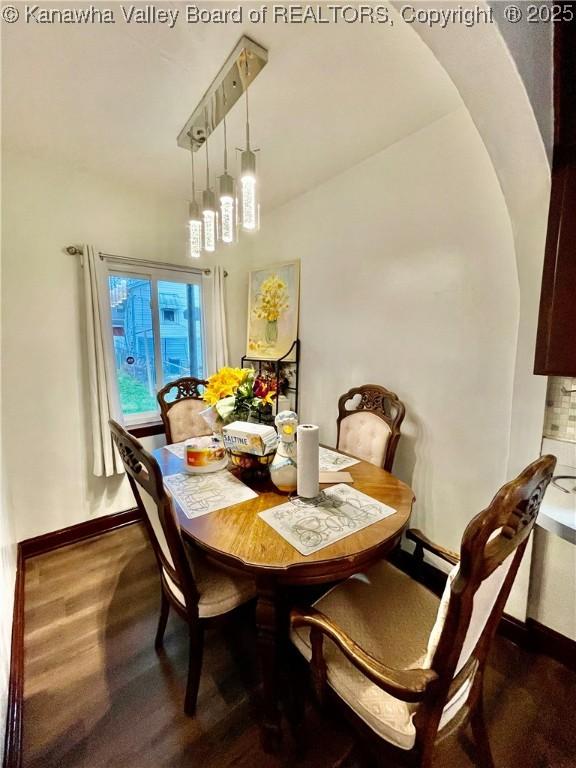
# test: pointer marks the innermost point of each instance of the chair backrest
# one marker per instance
(369, 419)
(180, 404)
(157, 511)
(491, 550)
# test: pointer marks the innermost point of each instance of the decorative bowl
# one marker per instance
(250, 462)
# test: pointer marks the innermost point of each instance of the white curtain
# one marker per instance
(104, 403)
(215, 320)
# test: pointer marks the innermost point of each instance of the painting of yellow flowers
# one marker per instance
(273, 300)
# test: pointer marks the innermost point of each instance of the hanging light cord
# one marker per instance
(207, 160)
(193, 175)
(247, 111)
(225, 139)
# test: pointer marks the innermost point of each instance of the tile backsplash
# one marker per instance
(560, 415)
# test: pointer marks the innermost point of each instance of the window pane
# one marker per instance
(133, 337)
(180, 330)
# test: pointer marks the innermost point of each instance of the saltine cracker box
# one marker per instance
(258, 439)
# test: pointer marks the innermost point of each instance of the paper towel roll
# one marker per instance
(308, 460)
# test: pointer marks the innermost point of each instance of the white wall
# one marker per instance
(7, 577)
(409, 280)
(45, 421)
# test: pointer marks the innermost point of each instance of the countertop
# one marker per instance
(558, 511)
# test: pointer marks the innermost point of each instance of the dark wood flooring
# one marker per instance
(97, 695)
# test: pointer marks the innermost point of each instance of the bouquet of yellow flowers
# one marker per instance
(272, 299)
(234, 393)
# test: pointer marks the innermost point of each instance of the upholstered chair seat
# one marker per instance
(397, 634)
(219, 590)
(408, 668)
(369, 419)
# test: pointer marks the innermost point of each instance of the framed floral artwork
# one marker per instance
(273, 302)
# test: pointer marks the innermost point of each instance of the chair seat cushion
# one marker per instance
(221, 589)
(390, 616)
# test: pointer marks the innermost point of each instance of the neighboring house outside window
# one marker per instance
(156, 334)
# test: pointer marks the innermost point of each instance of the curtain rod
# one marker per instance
(74, 250)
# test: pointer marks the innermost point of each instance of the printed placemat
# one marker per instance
(177, 449)
(332, 461)
(310, 525)
(201, 494)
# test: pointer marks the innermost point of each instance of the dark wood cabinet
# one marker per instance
(556, 340)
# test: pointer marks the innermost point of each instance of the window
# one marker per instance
(156, 334)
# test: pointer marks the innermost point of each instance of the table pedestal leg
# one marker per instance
(268, 625)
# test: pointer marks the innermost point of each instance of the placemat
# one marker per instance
(310, 525)
(332, 461)
(177, 449)
(201, 494)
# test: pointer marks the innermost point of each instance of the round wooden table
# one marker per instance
(236, 536)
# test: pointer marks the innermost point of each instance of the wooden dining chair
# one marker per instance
(180, 404)
(407, 668)
(369, 419)
(192, 585)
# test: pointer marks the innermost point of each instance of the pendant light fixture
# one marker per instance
(209, 209)
(194, 218)
(227, 199)
(249, 209)
(232, 204)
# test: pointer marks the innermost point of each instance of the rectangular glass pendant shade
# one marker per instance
(227, 219)
(195, 237)
(209, 231)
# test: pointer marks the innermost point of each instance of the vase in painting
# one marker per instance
(272, 331)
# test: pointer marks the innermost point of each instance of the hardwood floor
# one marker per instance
(97, 694)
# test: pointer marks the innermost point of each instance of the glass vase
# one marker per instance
(272, 331)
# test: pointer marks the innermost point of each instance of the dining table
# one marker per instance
(237, 537)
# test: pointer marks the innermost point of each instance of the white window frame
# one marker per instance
(155, 274)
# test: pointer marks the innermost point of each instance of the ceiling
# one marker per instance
(112, 98)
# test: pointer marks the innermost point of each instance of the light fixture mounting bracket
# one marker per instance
(238, 72)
